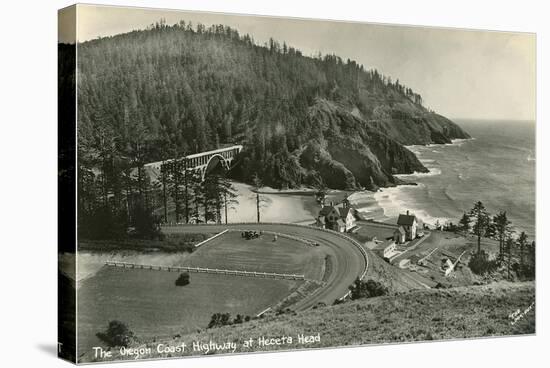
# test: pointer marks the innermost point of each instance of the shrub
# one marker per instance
(480, 263)
(241, 319)
(117, 334)
(238, 319)
(367, 289)
(526, 272)
(319, 305)
(219, 320)
(186, 241)
(147, 225)
(282, 311)
(183, 279)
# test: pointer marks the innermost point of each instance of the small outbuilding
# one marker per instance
(386, 249)
(399, 235)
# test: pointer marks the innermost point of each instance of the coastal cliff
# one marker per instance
(356, 152)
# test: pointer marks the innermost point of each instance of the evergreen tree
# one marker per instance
(503, 230)
(522, 240)
(175, 186)
(481, 219)
(229, 194)
(509, 245)
(186, 189)
(164, 179)
(195, 186)
(211, 200)
(464, 223)
(259, 200)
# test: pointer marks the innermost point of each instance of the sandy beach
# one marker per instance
(276, 206)
(298, 205)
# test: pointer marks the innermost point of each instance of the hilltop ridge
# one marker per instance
(183, 89)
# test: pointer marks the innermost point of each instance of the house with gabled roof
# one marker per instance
(328, 217)
(336, 218)
(409, 223)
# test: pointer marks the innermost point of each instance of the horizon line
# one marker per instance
(492, 119)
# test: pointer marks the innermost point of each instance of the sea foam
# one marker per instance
(432, 172)
(393, 203)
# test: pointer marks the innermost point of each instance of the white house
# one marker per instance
(335, 218)
(328, 218)
(346, 214)
(409, 224)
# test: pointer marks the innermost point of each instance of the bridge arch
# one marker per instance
(213, 161)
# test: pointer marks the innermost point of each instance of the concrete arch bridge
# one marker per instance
(203, 161)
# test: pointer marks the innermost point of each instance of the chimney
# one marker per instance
(407, 212)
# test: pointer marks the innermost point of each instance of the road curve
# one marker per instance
(349, 261)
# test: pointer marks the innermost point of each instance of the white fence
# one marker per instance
(211, 238)
(271, 275)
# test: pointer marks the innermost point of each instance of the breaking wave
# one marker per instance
(392, 202)
(433, 171)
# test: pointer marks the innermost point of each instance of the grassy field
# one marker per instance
(231, 251)
(172, 243)
(421, 315)
(454, 244)
(152, 306)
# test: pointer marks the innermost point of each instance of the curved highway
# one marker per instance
(348, 261)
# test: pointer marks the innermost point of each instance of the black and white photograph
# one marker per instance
(274, 184)
(245, 183)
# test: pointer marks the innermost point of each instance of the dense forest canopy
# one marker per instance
(160, 93)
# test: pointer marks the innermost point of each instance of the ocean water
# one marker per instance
(496, 167)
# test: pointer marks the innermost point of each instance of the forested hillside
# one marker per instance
(172, 90)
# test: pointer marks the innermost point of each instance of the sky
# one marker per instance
(459, 73)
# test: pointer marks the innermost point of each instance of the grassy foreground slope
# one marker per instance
(152, 305)
(396, 280)
(464, 312)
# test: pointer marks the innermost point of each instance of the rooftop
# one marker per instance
(400, 229)
(344, 211)
(326, 210)
(406, 220)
